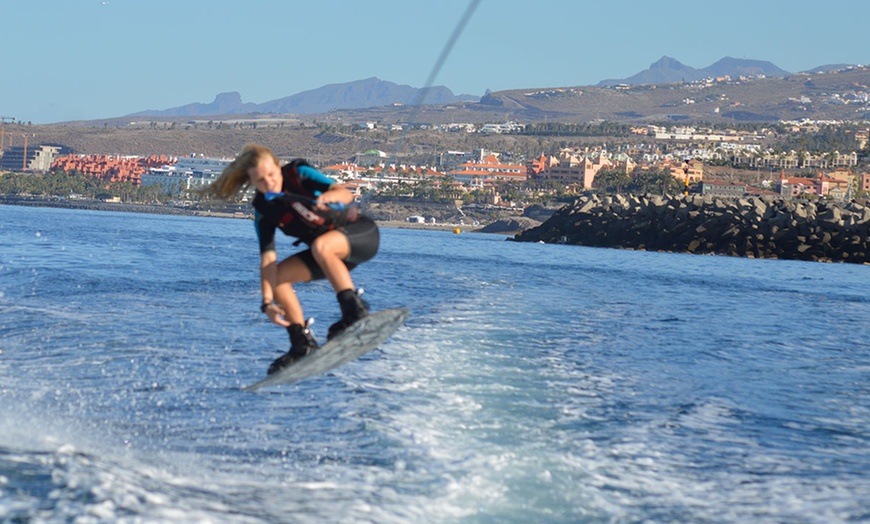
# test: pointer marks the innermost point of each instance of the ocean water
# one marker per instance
(532, 383)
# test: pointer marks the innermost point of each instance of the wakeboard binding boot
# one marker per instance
(353, 308)
(302, 343)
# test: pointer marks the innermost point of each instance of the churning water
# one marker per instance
(532, 383)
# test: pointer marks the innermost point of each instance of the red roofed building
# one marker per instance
(538, 165)
(570, 169)
(490, 168)
(344, 170)
(110, 168)
(834, 184)
(792, 187)
(842, 174)
(833, 187)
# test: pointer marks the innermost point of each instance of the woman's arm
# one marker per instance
(268, 282)
(336, 194)
(268, 275)
(332, 192)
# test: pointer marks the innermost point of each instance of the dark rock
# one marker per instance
(512, 225)
(749, 227)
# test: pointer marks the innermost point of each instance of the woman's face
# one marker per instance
(266, 176)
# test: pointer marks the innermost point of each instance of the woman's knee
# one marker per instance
(318, 249)
(332, 244)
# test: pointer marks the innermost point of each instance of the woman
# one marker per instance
(303, 203)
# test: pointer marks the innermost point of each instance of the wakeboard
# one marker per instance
(358, 339)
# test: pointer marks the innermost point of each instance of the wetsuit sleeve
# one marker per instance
(314, 179)
(265, 233)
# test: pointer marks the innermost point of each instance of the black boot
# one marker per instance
(353, 308)
(302, 343)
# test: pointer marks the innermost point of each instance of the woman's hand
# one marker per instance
(337, 196)
(276, 315)
(338, 201)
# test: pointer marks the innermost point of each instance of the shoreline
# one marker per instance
(178, 211)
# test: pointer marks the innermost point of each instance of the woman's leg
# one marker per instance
(329, 251)
(291, 271)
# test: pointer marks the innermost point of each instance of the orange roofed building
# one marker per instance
(344, 170)
(349, 170)
(489, 169)
(834, 184)
(568, 169)
(110, 168)
(691, 172)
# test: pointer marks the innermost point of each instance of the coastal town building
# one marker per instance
(568, 168)
(688, 133)
(364, 178)
(370, 157)
(358, 186)
(110, 168)
(837, 184)
(489, 169)
(405, 173)
(690, 172)
(507, 127)
(36, 159)
(538, 165)
(719, 188)
(185, 173)
(796, 160)
(345, 170)
(833, 187)
(819, 174)
(795, 186)
(841, 174)
(693, 171)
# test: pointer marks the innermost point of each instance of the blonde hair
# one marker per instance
(234, 177)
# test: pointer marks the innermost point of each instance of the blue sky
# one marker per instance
(89, 59)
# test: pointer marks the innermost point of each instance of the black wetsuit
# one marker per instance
(297, 217)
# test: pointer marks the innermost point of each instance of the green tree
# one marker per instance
(62, 184)
(611, 181)
(655, 183)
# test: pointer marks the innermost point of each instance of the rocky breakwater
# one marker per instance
(745, 227)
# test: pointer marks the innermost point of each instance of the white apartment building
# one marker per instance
(191, 172)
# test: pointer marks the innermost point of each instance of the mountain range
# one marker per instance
(668, 70)
(361, 94)
(662, 92)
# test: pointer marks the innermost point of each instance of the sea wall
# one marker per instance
(745, 227)
(94, 205)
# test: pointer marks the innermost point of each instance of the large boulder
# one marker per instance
(749, 227)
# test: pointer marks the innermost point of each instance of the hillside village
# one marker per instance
(687, 153)
(734, 128)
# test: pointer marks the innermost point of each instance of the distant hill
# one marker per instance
(837, 95)
(668, 70)
(736, 67)
(664, 92)
(224, 104)
(361, 94)
(829, 68)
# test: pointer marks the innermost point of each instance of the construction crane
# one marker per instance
(24, 162)
(3, 131)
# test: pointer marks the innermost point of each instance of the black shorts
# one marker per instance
(364, 239)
